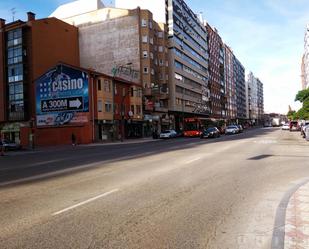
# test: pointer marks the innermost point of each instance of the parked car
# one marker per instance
(211, 132)
(286, 127)
(168, 134)
(302, 129)
(294, 126)
(9, 145)
(306, 133)
(231, 129)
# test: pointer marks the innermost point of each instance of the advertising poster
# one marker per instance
(62, 97)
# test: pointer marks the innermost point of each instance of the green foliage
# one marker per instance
(302, 96)
(303, 113)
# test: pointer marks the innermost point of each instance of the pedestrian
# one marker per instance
(73, 137)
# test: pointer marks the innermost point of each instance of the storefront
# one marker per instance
(12, 132)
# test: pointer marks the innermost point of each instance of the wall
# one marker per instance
(52, 41)
(62, 135)
(99, 43)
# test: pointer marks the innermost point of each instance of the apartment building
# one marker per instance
(27, 49)
(260, 99)
(189, 92)
(303, 73)
(255, 99)
(218, 100)
(240, 79)
(230, 82)
(305, 65)
(129, 44)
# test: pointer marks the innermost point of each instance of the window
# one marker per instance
(151, 55)
(152, 71)
(144, 23)
(178, 65)
(15, 55)
(160, 34)
(145, 54)
(99, 85)
(161, 62)
(116, 108)
(14, 37)
(161, 49)
(150, 24)
(123, 92)
(132, 91)
(108, 106)
(100, 105)
(145, 39)
(15, 73)
(138, 110)
(132, 108)
(151, 40)
(107, 86)
(145, 70)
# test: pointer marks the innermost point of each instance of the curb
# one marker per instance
(278, 237)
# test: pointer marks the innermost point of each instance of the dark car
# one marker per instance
(211, 132)
(9, 145)
(294, 126)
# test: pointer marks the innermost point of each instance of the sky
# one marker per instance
(267, 36)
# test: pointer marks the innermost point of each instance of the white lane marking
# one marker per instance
(193, 160)
(85, 202)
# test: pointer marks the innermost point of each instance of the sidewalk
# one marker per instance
(297, 220)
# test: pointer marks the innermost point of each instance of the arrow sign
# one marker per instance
(75, 103)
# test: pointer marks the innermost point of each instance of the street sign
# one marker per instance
(66, 104)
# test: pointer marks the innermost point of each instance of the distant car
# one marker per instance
(231, 129)
(285, 127)
(9, 145)
(211, 132)
(168, 134)
(294, 126)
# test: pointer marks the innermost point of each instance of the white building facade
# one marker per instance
(305, 62)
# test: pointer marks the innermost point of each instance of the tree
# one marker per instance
(302, 96)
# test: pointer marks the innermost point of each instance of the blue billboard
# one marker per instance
(62, 97)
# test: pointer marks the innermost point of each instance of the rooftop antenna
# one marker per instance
(13, 11)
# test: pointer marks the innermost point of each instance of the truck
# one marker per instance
(275, 122)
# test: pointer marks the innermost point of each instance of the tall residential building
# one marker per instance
(27, 50)
(303, 80)
(188, 64)
(240, 79)
(260, 99)
(132, 45)
(230, 82)
(255, 99)
(218, 100)
(306, 58)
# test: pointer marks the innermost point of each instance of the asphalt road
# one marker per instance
(183, 193)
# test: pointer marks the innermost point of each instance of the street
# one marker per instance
(181, 193)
